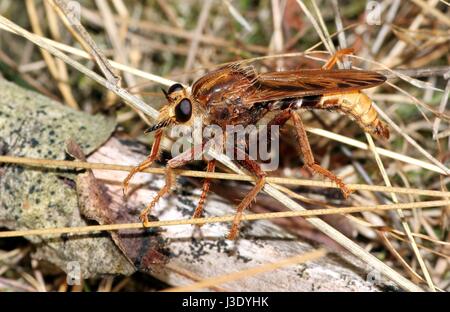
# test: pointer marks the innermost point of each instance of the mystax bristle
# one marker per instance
(157, 126)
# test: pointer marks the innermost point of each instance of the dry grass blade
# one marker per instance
(412, 141)
(238, 16)
(153, 28)
(392, 58)
(190, 275)
(433, 11)
(249, 217)
(54, 66)
(442, 106)
(83, 54)
(61, 66)
(386, 26)
(401, 215)
(87, 42)
(124, 94)
(214, 281)
(65, 164)
(328, 230)
(384, 152)
(203, 18)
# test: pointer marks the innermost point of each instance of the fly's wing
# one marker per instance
(274, 86)
(224, 86)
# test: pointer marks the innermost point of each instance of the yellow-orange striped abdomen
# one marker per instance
(359, 107)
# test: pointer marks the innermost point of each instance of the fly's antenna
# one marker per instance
(165, 93)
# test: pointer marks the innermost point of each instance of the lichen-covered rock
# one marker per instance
(32, 125)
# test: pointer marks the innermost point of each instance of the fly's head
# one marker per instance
(179, 110)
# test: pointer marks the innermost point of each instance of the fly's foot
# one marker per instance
(315, 168)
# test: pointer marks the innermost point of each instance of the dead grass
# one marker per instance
(181, 39)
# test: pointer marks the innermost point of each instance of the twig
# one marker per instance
(170, 13)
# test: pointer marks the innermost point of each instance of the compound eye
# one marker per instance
(183, 110)
(175, 87)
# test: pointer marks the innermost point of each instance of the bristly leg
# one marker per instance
(310, 163)
(206, 185)
(337, 57)
(255, 169)
(175, 162)
(170, 179)
(154, 155)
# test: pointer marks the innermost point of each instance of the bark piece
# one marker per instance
(206, 253)
(143, 248)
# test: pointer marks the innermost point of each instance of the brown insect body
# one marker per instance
(237, 95)
(234, 95)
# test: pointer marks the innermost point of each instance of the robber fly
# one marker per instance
(237, 95)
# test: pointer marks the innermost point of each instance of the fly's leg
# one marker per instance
(175, 162)
(337, 57)
(154, 154)
(206, 184)
(255, 169)
(170, 179)
(310, 163)
(279, 119)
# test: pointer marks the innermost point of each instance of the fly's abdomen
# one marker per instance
(359, 107)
